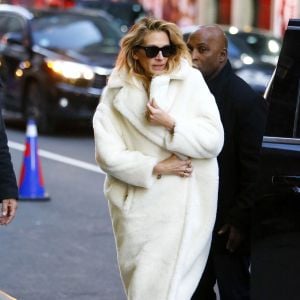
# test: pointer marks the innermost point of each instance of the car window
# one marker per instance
(261, 44)
(10, 23)
(236, 48)
(284, 93)
(3, 22)
(71, 32)
(124, 13)
(14, 24)
(233, 50)
(127, 12)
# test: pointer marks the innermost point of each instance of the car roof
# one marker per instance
(294, 22)
(231, 30)
(30, 13)
(16, 9)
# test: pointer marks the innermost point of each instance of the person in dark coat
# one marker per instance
(8, 183)
(243, 113)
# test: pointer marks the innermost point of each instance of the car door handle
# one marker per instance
(288, 181)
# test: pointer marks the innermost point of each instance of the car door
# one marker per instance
(13, 51)
(275, 266)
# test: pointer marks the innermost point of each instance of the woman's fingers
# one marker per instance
(176, 166)
(187, 172)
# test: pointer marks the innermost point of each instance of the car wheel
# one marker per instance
(37, 108)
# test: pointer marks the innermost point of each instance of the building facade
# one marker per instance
(272, 15)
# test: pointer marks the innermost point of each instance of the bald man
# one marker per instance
(243, 113)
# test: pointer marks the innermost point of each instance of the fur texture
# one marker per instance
(162, 226)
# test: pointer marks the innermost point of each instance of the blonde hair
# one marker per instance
(135, 37)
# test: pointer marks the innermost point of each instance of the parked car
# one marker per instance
(246, 63)
(264, 45)
(55, 63)
(126, 13)
(275, 264)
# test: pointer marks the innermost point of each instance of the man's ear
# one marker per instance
(223, 55)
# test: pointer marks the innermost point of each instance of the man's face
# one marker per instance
(207, 51)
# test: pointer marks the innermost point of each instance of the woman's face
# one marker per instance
(156, 63)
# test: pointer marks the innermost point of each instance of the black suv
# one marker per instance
(275, 263)
(55, 63)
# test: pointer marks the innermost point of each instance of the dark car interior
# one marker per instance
(276, 217)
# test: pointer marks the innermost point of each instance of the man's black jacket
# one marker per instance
(8, 184)
(243, 114)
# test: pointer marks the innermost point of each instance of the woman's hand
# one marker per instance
(156, 116)
(174, 166)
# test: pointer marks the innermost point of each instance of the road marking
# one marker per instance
(60, 158)
(5, 296)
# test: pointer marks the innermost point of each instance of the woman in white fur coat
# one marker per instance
(157, 134)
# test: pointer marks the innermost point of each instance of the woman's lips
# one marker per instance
(158, 67)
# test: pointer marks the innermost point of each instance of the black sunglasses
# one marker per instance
(152, 51)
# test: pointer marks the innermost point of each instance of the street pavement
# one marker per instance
(62, 249)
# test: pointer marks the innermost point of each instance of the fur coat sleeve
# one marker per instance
(112, 154)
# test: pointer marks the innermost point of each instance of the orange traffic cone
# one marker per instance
(31, 182)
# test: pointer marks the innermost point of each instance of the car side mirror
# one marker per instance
(13, 38)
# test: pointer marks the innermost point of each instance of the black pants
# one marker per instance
(231, 272)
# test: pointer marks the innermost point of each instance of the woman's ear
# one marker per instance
(134, 55)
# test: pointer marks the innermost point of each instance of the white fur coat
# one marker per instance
(162, 226)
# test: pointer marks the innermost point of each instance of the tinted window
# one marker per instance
(126, 13)
(10, 23)
(3, 27)
(262, 44)
(72, 32)
(284, 93)
(233, 50)
(236, 47)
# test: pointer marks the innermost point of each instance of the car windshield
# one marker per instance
(123, 12)
(83, 34)
(236, 48)
(265, 46)
(262, 44)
